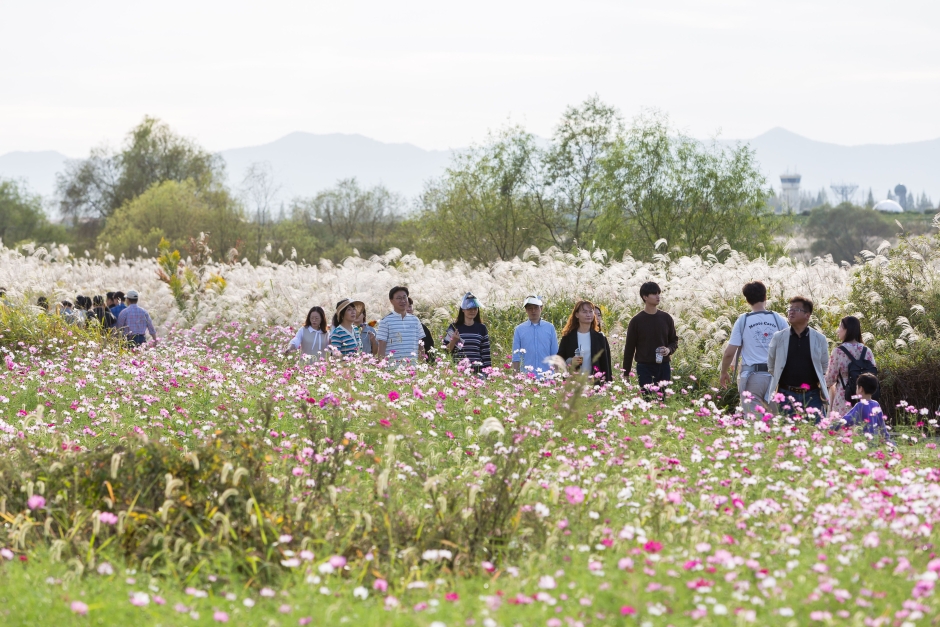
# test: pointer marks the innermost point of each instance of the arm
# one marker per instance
(772, 351)
(606, 364)
(516, 346)
(485, 348)
(673, 343)
(833, 368)
(153, 332)
(629, 350)
(294, 343)
(381, 336)
(726, 358)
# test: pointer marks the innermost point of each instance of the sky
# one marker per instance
(442, 74)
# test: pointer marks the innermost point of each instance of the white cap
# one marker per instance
(532, 300)
(132, 295)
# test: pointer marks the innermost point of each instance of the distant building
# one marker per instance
(889, 206)
(790, 192)
(900, 192)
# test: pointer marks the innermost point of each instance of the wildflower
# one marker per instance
(306, 620)
(391, 602)
(653, 547)
(140, 599)
(36, 502)
(451, 596)
(284, 609)
(220, 617)
(380, 585)
(79, 608)
(306, 555)
(337, 561)
(627, 610)
(267, 592)
(105, 569)
(393, 396)
(6, 553)
(108, 518)
(361, 593)
(625, 563)
(547, 582)
(574, 494)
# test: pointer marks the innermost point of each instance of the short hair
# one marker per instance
(648, 289)
(395, 290)
(43, 302)
(66, 303)
(853, 329)
(410, 302)
(110, 295)
(119, 295)
(754, 292)
(867, 382)
(805, 302)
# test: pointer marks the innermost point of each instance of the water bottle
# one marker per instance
(659, 356)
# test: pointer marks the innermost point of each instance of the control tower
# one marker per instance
(790, 192)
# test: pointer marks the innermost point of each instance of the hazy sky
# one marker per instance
(440, 74)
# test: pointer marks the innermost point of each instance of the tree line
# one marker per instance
(596, 183)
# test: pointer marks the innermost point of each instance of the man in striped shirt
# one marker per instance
(399, 334)
(134, 322)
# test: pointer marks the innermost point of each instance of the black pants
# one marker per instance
(653, 373)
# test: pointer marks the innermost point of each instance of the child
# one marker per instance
(868, 412)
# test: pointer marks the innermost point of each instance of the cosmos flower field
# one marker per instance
(209, 479)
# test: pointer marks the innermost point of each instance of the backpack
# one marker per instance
(857, 367)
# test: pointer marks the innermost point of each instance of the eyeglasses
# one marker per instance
(791, 310)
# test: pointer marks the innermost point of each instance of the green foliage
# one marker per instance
(845, 230)
(658, 184)
(98, 186)
(46, 331)
(177, 212)
(23, 219)
(483, 207)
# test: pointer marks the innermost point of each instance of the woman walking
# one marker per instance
(366, 331)
(468, 338)
(837, 375)
(583, 347)
(311, 339)
(102, 314)
(345, 337)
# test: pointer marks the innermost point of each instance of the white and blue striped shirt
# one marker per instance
(401, 335)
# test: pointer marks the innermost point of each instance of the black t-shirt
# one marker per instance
(799, 368)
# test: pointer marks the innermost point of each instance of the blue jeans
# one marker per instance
(653, 373)
(137, 340)
(807, 400)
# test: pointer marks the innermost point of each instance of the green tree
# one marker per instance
(565, 204)
(22, 217)
(846, 230)
(94, 188)
(177, 212)
(484, 208)
(659, 184)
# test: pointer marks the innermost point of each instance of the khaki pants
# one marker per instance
(757, 383)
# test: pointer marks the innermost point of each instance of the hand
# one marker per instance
(724, 380)
(576, 361)
(663, 350)
(453, 341)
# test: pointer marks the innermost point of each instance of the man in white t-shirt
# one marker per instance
(400, 334)
(750, 340)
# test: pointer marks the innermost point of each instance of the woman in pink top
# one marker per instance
(850, 335)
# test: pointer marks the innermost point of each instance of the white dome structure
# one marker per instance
(889, 206)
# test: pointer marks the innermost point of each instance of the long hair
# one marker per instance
(853, 329)
(319, 310)
(573, 323)
(460, 317)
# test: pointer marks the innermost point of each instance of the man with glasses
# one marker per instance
(798, 359)
(400, 333)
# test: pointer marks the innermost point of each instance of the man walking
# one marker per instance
(117, 300)
(798, 358)
(399, 334)
(750, 340)
(134, 321)
(533, 341)
(651, 339)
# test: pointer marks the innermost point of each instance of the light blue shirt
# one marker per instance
(539, 341)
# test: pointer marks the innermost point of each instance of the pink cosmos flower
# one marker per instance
(653, 547)
(108, 518)
(79, 608)
(337, 561)
(627, 610)
(380, 584)
(36, 502)
(451, 596)
(220, 617)
(574, 495)
(393, 396)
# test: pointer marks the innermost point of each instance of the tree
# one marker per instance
(94, 188)
(22, 217)
(348, 216)
(484, 208)
(870, 203)
(659, 184)
(564, 205)
(260, 193)
(846, 230)
(175, 212)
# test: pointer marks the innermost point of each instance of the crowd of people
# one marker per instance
(115, 312)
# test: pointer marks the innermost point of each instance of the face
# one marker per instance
(841, 333)
(315, 319)
(470, 314)
(411, 308)
(400, 301)
(349, 315)
(652, 299)
(534, 312)
(360, 316)
(796, 314)
(585, 314)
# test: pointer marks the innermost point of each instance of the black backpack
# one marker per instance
(857, 367)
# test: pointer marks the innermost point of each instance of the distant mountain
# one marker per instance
(304, 163)
(880, 167)
(37, 169)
